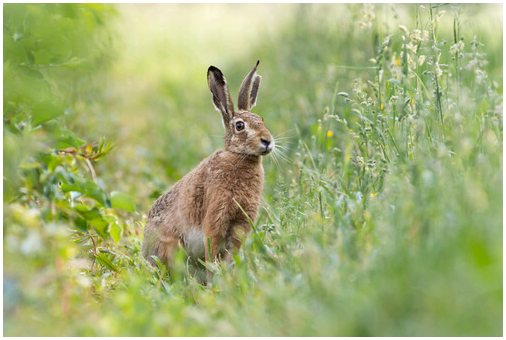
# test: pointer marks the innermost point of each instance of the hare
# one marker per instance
(209, 210)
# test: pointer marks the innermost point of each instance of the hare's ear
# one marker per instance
(249, 90)
(221, 96)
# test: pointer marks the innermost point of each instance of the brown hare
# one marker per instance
(209, 210)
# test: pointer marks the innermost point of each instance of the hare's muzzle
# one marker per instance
(267, 145)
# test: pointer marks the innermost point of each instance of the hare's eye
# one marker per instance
(239, 126)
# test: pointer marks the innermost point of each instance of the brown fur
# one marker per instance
(218, 199)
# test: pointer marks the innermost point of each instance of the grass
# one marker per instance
(382, 214)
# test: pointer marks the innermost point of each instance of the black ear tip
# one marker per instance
(212, 69)
(217, 74)
(258, 62)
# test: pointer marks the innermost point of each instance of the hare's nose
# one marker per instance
(265, 142)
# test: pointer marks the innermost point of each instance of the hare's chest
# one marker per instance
(246, 201)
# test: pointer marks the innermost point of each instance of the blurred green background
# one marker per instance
(382, 211)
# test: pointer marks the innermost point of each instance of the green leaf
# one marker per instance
(122, 201)
(45, 110)
(87, 188)
(43, 56)
(92, 217)
(68, 139)
(88, 213)
(80, 223)
(116, 232)
(106, 262)
(100, 227)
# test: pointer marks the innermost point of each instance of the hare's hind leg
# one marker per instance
(161, 246)
(166, 248)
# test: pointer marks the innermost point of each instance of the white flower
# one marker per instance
(458, 47)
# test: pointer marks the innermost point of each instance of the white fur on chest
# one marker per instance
(194, 242)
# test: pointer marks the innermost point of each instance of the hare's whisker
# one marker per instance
(281, 147)
(279, 155)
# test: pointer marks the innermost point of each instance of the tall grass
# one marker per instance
(382, 211)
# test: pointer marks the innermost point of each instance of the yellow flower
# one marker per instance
(329, 134)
